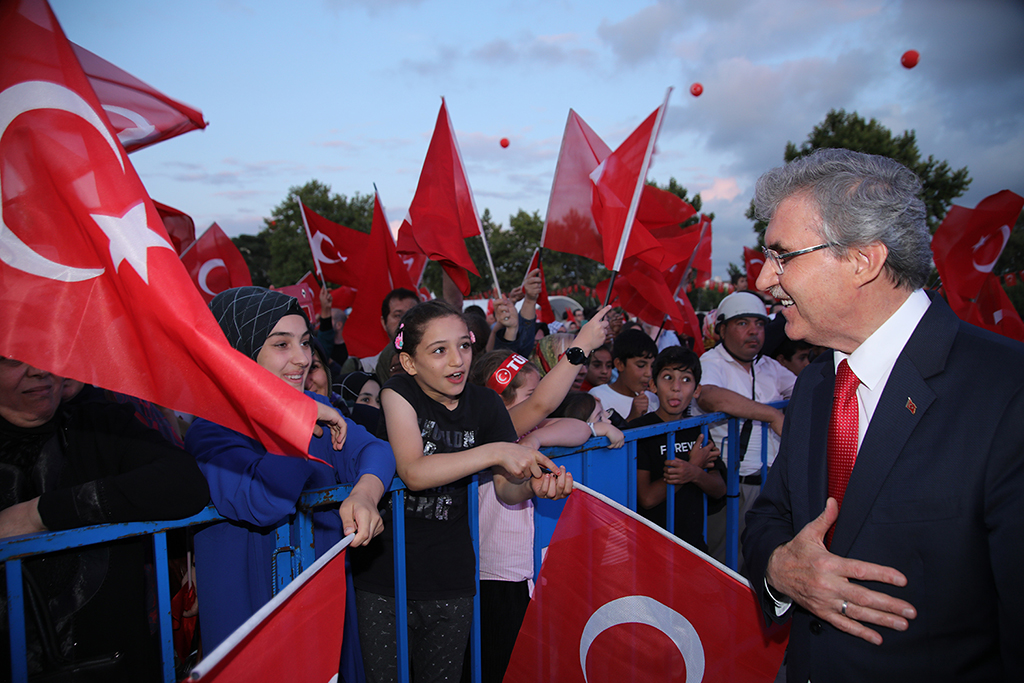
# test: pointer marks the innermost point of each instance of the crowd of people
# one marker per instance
(459, 392)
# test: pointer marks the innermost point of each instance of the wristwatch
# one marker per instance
(575, 355)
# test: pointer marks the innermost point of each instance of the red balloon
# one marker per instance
(696, 89)
(504, 142)
(910, 58)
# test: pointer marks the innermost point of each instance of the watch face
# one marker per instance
(575, 355)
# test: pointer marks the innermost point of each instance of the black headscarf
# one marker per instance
(248, 315)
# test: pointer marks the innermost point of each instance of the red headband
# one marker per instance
(501, 378)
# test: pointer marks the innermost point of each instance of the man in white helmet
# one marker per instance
(739, 381)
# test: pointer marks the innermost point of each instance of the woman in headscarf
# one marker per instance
(550, 350)
(258, 490)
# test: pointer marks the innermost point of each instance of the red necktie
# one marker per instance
(842, 436)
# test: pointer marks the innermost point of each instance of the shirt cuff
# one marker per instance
(782, 604)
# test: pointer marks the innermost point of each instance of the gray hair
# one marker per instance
(862, 198)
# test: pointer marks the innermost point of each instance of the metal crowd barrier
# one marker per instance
(592, 464)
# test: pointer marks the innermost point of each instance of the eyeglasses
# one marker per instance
(777, 260)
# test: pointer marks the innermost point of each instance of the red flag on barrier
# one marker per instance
(443, 212)
(295, 637)
(611, 580)
(85, 258)
(332, 246)
(215, 264)
(140, 115)
(968, 243)
(179, 226)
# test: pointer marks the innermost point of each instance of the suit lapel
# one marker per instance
(817, 464)
(903, 404)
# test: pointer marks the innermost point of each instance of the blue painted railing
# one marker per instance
(610, 471)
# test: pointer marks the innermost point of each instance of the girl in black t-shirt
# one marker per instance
(443, 430)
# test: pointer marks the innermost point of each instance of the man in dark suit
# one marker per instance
(910, 570)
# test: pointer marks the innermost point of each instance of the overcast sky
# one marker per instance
(347, 91)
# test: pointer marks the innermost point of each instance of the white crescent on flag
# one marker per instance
(142, 130)
(987, 268)
(318, 242)
(14, 101)
(641, 609)
(204, 272)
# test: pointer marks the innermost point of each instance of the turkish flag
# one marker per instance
(619, 599)
(591, 194)
(645, 292)
(992, 309)
(179, 226)
(383, 271)
(546, 313)
(296, 636)
(443, 212)
(754, 260)
(968, 243)
(307, 292)
(215, 264)
(90, 287)
(140, 114)
(332, 246)
(569, 225)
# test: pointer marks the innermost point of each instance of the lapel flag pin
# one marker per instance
(911, 406)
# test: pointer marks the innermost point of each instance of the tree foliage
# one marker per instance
(941, 184)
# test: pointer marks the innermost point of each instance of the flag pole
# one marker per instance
(309, 239)
(634, 204)
(689, 263)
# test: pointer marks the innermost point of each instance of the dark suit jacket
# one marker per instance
(937, 492)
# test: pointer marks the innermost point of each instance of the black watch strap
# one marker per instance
(575, 355)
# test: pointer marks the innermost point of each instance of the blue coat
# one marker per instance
(937, 492)
(258, 490)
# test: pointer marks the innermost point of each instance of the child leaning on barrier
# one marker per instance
(443, 430)
(696, 469)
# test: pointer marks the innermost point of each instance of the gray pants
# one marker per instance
(438, 635)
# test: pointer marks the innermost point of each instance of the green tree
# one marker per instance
(941, 184)
(285, 235)
(256, 252)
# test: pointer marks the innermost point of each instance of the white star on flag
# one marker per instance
(130, 238)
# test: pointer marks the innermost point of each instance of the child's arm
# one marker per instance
(554, 485)
(556, 384)
(679, 472)
(648, 493)
(421, 472)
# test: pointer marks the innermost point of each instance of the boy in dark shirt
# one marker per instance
(696, 469)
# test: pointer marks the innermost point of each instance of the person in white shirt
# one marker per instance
(739, 381)
(890, 528)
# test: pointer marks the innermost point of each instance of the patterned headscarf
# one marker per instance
(549, 350)
(248, 315)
